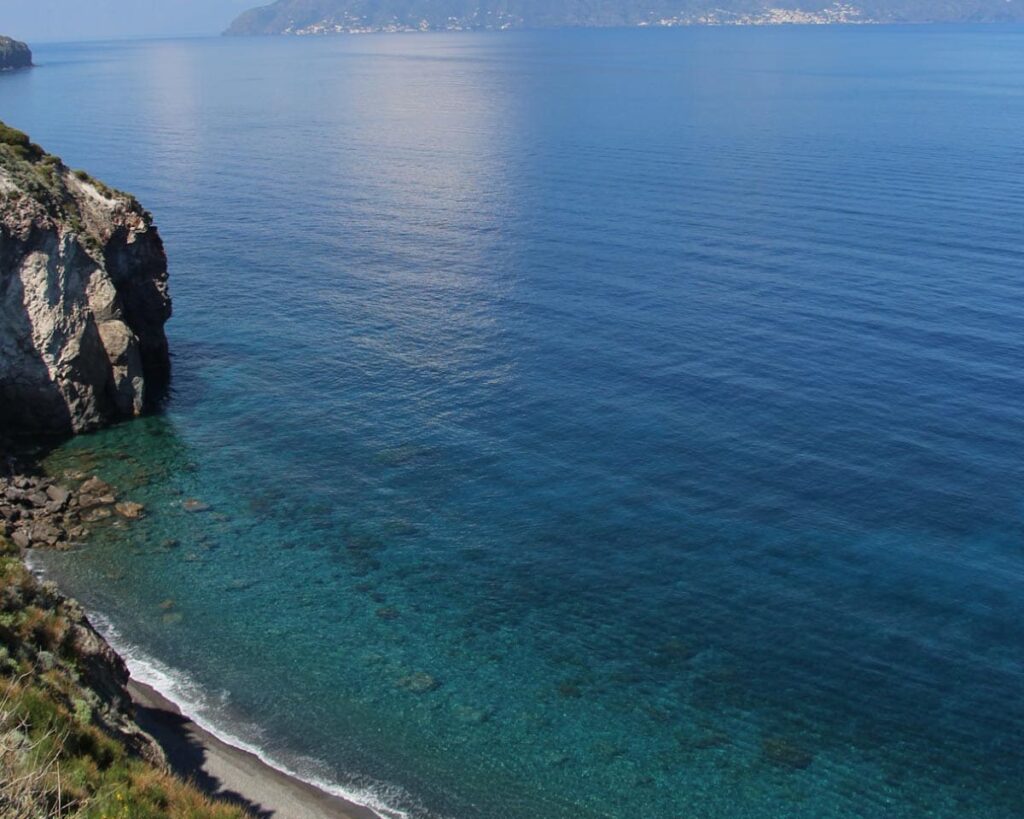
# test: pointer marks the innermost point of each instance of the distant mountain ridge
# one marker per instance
(300, 17)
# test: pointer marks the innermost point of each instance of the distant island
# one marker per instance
(311, 17)
(14, 54)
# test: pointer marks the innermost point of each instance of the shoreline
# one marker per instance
(222, 767)
(38, 513)
(232, 774)
(216, 766)
(218, 763)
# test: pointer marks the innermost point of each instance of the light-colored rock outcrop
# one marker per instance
(83, 298)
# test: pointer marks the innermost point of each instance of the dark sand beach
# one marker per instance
(230, 773)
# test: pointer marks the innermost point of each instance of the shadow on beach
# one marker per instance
(231, 774)
(185, 751)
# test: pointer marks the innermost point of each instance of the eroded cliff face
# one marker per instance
(83, 298)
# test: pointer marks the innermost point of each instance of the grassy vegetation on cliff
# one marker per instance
(56, 760)
(45, 178)
(42, 172)
(21, 147)
(35, 173)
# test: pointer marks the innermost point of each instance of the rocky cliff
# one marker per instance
(14, 54)
(83, 298)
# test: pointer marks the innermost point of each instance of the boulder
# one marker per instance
(96, 514)
(58, 495)
(95, 486)
(43, 533)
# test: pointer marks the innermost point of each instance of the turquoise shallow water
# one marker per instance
(593, 424)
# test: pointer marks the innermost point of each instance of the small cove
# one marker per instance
(581, 424)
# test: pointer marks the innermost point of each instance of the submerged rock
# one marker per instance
(388, 613)
(419, 683)
(130, 511)
(83, 297)
(570, 689)
(97, 514)
(556, 759)
(471, 715)
(96, 486)
(785, 754)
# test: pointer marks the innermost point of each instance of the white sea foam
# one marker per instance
(194, 702)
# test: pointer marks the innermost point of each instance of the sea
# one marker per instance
(576, 424)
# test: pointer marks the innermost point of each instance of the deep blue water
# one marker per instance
(594, 424)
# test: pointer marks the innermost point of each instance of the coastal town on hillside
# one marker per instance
(836, 14)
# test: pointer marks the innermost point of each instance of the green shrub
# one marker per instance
(83, 711)
(18, 140)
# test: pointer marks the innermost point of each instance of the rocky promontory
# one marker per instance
(14, 54)
(83, 298)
